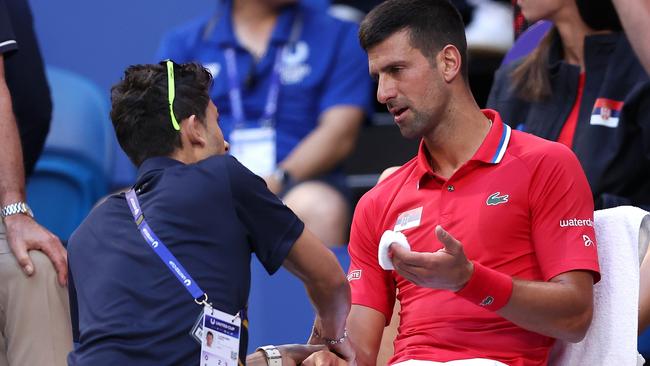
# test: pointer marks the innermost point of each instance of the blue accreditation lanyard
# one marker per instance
(271, 105)
(175, 267)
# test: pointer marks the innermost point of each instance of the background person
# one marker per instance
(584, 87)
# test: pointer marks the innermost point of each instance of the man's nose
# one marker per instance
(386, 90)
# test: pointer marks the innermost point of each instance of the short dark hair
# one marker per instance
(140, 107)
(432, 24)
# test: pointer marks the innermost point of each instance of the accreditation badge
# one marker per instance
(219, 338)
(254, 148)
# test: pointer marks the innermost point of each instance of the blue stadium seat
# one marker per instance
(279, 310)
(72, 173)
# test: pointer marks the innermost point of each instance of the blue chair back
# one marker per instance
(72, 172)
(279, 310)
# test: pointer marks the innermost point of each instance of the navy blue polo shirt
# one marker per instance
(325, 68)
(212, 216)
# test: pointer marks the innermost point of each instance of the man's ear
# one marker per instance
(449, 63)
(194, 131)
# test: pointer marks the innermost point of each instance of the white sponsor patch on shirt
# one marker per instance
(354, 275)
(408, 219)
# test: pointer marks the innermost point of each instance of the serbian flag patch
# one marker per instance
(606, 112)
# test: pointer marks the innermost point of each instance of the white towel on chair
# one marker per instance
(389, 237)
(612, 336)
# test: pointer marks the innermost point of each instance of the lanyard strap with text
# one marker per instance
(160, 248)
(271, 106)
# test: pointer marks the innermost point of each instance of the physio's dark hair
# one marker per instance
(432, 24)
(140, 107)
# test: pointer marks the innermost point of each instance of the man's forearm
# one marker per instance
(12, 176)
(331, 298)
(560, 309)
(634, 16)
(325, 147)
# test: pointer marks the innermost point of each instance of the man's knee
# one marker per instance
(323, 209)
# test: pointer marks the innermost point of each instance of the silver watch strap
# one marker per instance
(16, 208)
(273, 355)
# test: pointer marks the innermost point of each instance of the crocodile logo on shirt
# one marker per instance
(495, 199)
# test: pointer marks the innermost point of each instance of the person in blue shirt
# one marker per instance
(292, 88)
(209, 211)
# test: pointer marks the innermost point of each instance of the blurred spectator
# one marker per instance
(634, 15)
(292, 86)
(34, 316)
(584, 87)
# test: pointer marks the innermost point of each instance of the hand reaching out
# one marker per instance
(448, 268)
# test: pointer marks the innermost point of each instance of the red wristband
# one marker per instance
(487, 288)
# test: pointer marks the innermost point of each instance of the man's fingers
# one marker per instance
(25, 262)
(399, 254)
(450, 243)
(59, 257)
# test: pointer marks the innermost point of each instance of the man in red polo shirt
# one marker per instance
(502, 257)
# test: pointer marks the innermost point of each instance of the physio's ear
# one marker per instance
(194, 130)
(449, 63)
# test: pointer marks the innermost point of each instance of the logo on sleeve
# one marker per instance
(354, 275)
(496, 199)
(575, 222)
(587, 240)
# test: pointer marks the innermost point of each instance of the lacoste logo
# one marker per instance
(495, 199)
(487, 301)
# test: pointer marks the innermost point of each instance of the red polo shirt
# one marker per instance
(521, 205)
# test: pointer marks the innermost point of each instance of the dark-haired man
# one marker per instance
(490, 278)
(203, 214)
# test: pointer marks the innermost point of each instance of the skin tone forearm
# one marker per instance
(23, 233)
(634, 16)
(12, 178)
(327, 287)
(325, 147)
(561, 308)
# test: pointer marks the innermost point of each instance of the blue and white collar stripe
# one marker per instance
(503, 144)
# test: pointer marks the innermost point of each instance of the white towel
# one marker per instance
(390, 237)
(612, 336)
